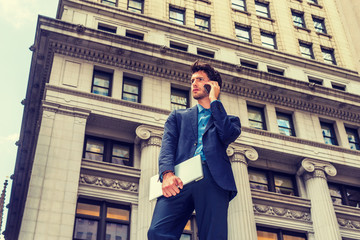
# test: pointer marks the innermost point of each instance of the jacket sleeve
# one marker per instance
(228, 127)
(169, 144)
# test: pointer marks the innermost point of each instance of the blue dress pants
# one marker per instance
(211, 206)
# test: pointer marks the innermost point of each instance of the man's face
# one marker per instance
(198, 80)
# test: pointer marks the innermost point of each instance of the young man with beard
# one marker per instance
(204, 130)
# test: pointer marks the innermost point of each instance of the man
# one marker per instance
(204, 129)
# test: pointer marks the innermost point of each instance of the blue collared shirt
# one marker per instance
(203, 118)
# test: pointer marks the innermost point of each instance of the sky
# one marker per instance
(18, 19)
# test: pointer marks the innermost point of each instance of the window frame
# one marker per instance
(238, 5)
(270, 177)
(204, 18)
(317, 81)
(290, 121)
(318, 21)
(355, 135)
(112, 3)
(280, 233)
(205, 53)
(271, 36)
(328, 52)
(260, 13)
(108, 145)
(193, 231)
(308, 46)
(343, 189)
(261, 110)
(296, 16)
(135, 81)
(333, 138)
(136, 10)
(107, 28)
(243, 29)
(102, 218)
(177, 10)
(178, 46)
(179, 91)
(103, 73)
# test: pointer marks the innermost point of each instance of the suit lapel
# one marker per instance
(209, 124)
(194, 124)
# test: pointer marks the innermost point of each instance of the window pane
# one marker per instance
(262, 235)
(135, 6)
(255, 115)
(238, 4)
(243, 33)
(129, 97)
(101, 81)
(94, 149)
(268, 40)
(116, 231)
(335, 194)
(283, 181)
(88, 209)
(85, 229)
(258, 180)
(262, 9)
(185, 236)
(117, 213)
(288, 237)
(131, 88)
(121, 151)
(353, 138)
(353, 196)
(202, 22)
(100, 91)
(176, 16)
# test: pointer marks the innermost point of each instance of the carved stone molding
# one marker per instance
(282, 212)
(108, 183)
(236, 152)
(350, 224)
(316, 168)
(66, 110)
(149, 135)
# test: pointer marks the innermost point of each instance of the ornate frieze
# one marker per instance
(108, 183)
(350, 224)
(66, 110)
(282, 212)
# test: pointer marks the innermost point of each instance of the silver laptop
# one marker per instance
(188, 171)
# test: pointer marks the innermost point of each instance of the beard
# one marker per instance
(200, 95)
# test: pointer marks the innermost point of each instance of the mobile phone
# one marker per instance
(207, 88)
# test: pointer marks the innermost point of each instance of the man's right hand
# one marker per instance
(171, 184)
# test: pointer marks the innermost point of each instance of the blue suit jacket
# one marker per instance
(180, 140)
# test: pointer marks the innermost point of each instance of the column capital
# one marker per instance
(149, 135)
(317, 168)
(241, 153)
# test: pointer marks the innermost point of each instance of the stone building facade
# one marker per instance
(105, 74)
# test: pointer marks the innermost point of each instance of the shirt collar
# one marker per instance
(201, 108)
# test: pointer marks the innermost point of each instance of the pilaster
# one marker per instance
(241, 214)
(150, 140)
(322, 210)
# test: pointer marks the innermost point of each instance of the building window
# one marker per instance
(106, 28)
(238, 5)
(101, 220)
(243, 33)
(189, 232)
(256, 117)
(179, 46)
(262, 9)
(109, 2)
(131, 89)
(298, 19)
(249, 64)
(278, 234)
(136, 6)
(328, 133)
(205, 53)
(102, 83)
(268, 40)
(285, 123)
(177, 15)
(345, 195)
(338, 86)
(179, 99)
(328, 55)
(313, 1)
(315, 80)
(276, 71)
(306, 50)
(106, 150)
(353, 138)
(135, 35)
(319, 24)
(202, 22)
(272, 182)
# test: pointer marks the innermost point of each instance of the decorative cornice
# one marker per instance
(299, 140)
(66, 110)
(241, 153)
(282, 212)
(316, 168)
(108, 183)
(117, 58)
(349, 224)
(149, 135)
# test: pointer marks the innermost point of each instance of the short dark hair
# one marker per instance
(212, 74)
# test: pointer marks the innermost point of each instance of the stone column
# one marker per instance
(150, 140)
(322, 210)
(241, 214)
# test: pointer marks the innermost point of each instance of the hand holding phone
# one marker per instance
(207, 88)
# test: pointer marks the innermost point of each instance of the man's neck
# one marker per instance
(204, 102)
